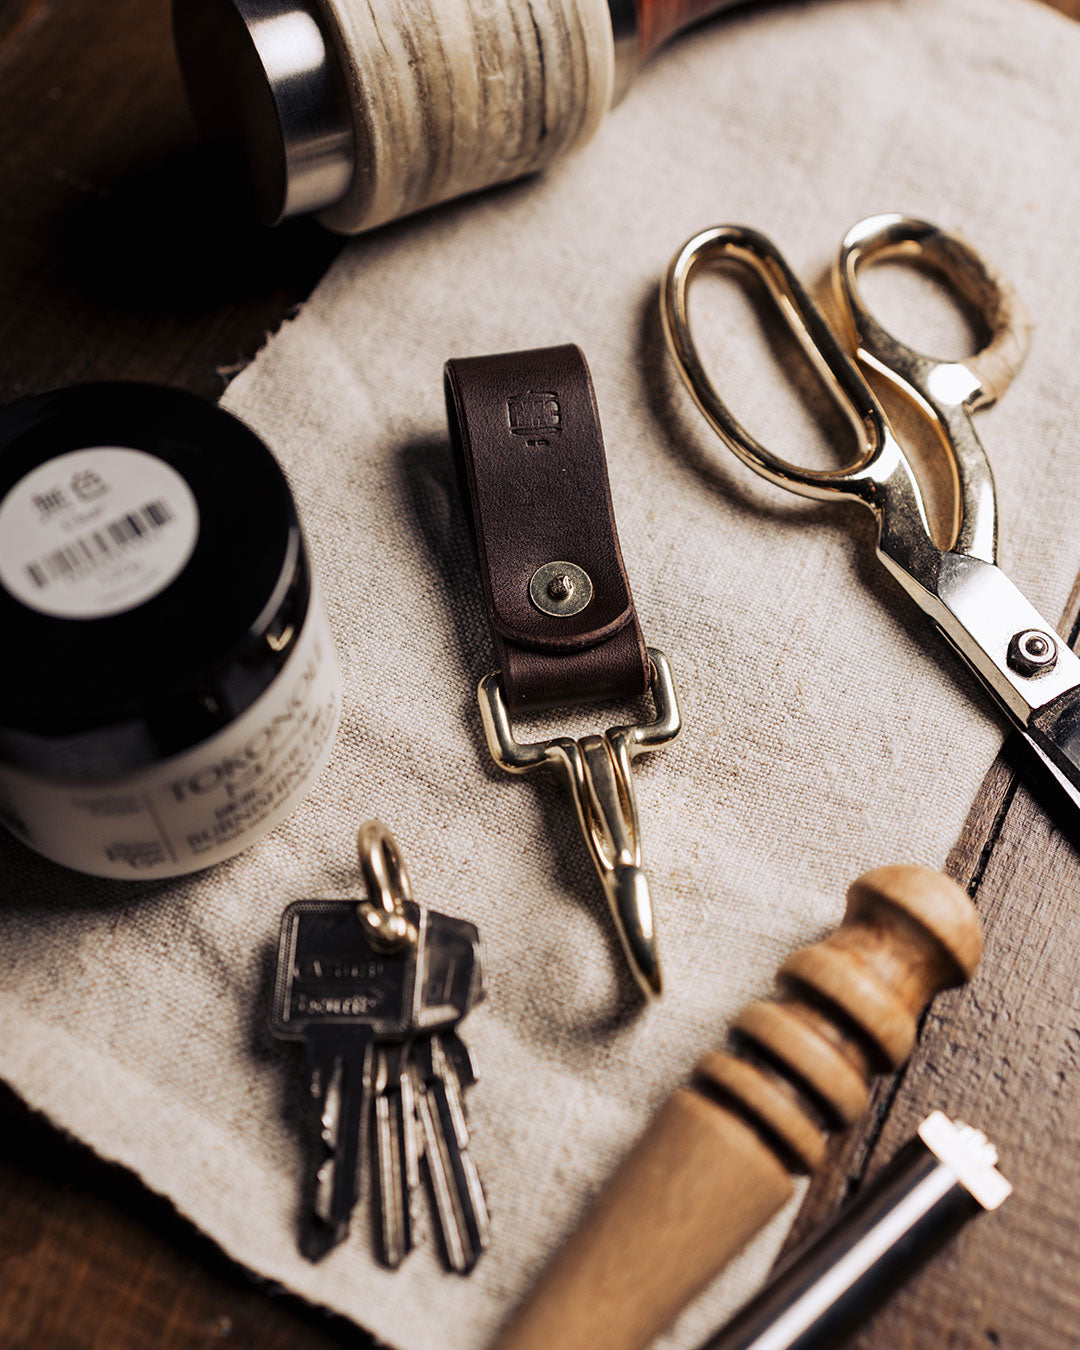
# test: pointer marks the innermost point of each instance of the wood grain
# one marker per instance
(1007, 1058)
(88, 1258)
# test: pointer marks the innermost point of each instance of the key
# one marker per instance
(462, 1075)
(452, 982)
(397, 1151)
(339, 1065)
(341, 996)
(453, 974)
(459, 1199)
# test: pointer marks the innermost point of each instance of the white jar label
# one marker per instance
(95, 532)
(203, 805)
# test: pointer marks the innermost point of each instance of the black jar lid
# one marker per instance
(123, 682)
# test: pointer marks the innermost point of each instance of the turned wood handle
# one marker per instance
(714, 1165)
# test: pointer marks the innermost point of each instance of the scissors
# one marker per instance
(1027, 666)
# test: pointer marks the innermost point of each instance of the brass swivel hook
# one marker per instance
(597, 771)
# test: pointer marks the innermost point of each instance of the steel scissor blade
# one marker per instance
(1054, 735)
(1070, 789)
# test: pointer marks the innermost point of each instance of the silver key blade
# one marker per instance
(460, 1073)
(460, 1206)
(460, 1058)
(341, 1069)
(339, 994)
(330, 1129)
(396, 1152)
(459, 1255)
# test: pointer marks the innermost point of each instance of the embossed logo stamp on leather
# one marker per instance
(535, 416)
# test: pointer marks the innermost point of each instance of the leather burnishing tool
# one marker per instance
(715, 1164)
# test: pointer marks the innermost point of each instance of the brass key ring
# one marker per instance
(387, 880)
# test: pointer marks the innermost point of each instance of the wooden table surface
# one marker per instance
(124, 255)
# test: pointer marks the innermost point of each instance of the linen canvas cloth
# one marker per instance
(827, 729)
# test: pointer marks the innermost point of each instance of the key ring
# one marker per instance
(387, 880)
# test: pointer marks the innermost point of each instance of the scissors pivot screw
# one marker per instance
(1032, 652)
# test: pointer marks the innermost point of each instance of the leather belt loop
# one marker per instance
(527, 439)
(526, 434)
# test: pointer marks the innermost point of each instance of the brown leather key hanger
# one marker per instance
(526, 433)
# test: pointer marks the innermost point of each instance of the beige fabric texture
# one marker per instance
(827, 729)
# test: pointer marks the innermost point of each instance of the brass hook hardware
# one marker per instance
(596, 769)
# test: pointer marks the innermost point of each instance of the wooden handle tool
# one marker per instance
(714, 1166)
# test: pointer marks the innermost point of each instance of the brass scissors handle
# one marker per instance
(947, 391)
(976, 380)
(850, 392)
(880, 473)
(1027, 666)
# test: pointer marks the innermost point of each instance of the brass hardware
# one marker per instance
(596, 769)
(387, 881)
(561, 589)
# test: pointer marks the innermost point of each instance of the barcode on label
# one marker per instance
(90, 551)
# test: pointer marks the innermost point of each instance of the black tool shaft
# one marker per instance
(839, 1277)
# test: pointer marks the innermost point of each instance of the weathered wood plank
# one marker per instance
(1004, 1056)
(88, 1257)
(850, 1152)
